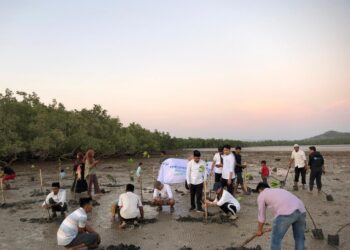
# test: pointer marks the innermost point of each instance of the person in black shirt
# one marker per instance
(316, 164)
(239, 169)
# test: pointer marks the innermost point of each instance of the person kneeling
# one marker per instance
(56, 200)
(225, 201)
(163, 195)
(130, 207)
(74, 233)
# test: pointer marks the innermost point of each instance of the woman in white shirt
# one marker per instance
(163, 195)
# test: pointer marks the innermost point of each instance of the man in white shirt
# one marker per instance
(195, 177)
(74, 233)
(228, 173)
(162, 195)
(56, 200)
(216, 166)
(299, 158)
(225, 201)
(130, 207)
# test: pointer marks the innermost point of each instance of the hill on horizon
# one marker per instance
(330, 135)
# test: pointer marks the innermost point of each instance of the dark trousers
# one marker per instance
(315, 174)
(229, 208)
(217, 177)
(56, 207)
(196, 192)
(224, 183)
(302, 172)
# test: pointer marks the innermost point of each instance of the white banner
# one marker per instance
(173, 171)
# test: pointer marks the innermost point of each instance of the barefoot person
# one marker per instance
(216, 167)
(162, 195)
(288, 211)
(74, 233)
(225, 201)
(195, 177)
(299, 158)
(90, 171)
(130, 207)
(56, 200)
(316, 164)
(228, 174)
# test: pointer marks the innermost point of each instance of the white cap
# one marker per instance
(296, 145)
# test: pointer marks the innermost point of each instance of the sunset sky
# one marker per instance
(247, 70)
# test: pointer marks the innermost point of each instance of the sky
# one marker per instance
(248, 70)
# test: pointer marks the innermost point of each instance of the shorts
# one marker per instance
(89, 239)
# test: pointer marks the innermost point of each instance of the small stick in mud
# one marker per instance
(41, 181)
(141, 188)
(2, 191)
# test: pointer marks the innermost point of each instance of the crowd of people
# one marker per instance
(227, 169)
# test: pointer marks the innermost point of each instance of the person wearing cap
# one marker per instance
(228, 167)
(162, 195)
(299, 158)
(74, 233)
(56, 200)
(195, 176)
(288, 210)
(216, 166)
(225, 201)
(316, 164)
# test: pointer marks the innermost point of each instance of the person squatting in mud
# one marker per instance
(130, 207)
(74, 233)
(228, 204)
(162, 195)
(7, 174)
(56, 200)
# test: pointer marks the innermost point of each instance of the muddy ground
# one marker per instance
(24, 225)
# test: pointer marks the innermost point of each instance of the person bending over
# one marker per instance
(289, 211)
(163, 195)
(130, 207)
(7, 174)
(225, 201)
(74, 233)
(56, 200)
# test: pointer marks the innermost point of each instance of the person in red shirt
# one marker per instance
(265, 172)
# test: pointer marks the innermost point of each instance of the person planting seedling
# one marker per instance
(225, 201)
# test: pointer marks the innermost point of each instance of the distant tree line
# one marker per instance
(29, 129)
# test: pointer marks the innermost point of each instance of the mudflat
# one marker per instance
(24, 225)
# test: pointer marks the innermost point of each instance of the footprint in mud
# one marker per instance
(258, 247)
(41, 220)
(123, 247)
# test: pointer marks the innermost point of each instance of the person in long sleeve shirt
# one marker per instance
(228, 173)
(56, 200)
(195, 176)
(288, 210)
(316, 164)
